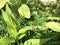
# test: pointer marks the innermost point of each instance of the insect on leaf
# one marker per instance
(11, 25)
(8, 19)
(54, 26)
(24, 11)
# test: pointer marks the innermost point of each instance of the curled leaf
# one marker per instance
(24, 11)
(8, 19)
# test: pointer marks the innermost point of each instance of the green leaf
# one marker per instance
(37, 41)
(54, 26)
(6, 40)
(8, 19)
(9, 12)
(11, 26)
(2, 3)
(53, 18)
(12, 32)
(24, 11)
(23, 30)
(26, 28)
(32, 42)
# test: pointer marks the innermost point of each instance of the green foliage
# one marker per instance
(29, 22)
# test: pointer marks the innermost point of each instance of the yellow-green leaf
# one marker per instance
(9, 11)
(11, 25)
(54, 26)
(32, 42)
(24, 11)
(2, 3)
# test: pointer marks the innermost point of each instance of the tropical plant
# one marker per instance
(29, 22)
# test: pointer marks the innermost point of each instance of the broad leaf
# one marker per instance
(54, 26)
(2, 3)
(32, 42)
(24, 11)
(53, 18)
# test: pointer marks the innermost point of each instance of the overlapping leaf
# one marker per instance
(10, 24)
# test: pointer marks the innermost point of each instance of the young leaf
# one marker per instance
(24, 11)
(26, 28)
(9, 12)
(2, 3)
(11, 26)
(54, 26)
(37, 41)
(8, 19)
(32, 42)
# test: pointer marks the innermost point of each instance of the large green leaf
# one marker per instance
(8, 19)
(54, 26)
(2, 3)
(32, 42)
(24, 11)
(11, 26)
(37, 41)
(6, 40)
